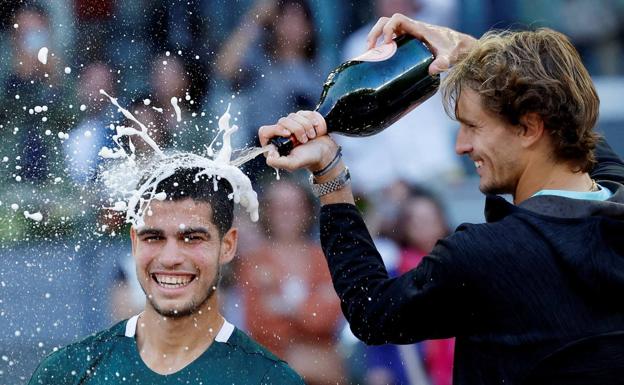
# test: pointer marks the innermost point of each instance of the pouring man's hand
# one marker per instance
(316, 150)
(447, 45)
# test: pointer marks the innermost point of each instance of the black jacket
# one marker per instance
(535, 295)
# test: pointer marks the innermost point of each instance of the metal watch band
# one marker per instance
(320, 189)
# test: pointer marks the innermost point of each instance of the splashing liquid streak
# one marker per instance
(178, 111)
(123, 178)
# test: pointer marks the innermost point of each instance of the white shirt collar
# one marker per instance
(223, 335)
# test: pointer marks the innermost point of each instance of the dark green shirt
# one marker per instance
(112, 357)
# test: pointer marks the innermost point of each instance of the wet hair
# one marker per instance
(185, 184)
(539, 71)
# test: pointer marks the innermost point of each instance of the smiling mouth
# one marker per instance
(172, 281)
(478, 163)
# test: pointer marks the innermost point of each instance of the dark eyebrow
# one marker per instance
(149, 231)
(194, 230)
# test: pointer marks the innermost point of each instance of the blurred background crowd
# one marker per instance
(71, 273)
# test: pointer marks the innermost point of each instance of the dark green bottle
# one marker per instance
(365, 95)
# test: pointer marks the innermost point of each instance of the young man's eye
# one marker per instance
(151, 238)
(192, 238)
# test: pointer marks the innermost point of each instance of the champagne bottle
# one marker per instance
(365, 95)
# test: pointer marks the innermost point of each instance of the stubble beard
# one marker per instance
(493, 189)
(192, 306)
(501, 186)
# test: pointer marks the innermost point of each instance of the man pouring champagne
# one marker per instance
(529, 295)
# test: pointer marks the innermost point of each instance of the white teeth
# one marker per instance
(172, 280)
(478, 164)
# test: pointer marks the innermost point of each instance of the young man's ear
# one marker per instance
(228, 246)
(533, 128)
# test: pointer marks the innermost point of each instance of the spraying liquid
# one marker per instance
(133, 183)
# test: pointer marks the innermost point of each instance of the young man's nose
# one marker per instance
(171, 254)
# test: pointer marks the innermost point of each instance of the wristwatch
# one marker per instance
(320, 189)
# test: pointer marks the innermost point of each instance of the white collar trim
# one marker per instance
(131, 326)
(226, 332)
(223, 336)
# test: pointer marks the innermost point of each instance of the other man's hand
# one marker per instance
(447, 45)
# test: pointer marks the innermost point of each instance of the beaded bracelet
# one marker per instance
(331, 164)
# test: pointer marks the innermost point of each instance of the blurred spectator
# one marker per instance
(31, 84)
(180, 27)
(169, 78)
(422, 141)
(92, 132)
(290, 304)
(418, 222)
(270, 62)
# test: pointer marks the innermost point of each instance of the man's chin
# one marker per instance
(175, 311)
(494, 190)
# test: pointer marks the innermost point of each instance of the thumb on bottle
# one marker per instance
(440, 64)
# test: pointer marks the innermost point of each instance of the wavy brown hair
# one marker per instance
(532, 71)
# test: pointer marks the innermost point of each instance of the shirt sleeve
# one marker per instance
(609, 165)
(429, 301)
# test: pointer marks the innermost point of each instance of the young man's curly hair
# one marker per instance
(532, 71)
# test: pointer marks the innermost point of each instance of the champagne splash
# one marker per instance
(133, 182)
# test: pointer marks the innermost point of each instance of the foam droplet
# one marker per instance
(37, 217)
(42, 56)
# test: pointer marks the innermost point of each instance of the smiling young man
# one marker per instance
(180, 337)
(531, 295)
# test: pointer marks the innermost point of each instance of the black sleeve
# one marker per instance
(609, 165)
(429, 301)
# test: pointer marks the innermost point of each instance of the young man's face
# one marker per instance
(491, 143)
(178, 254)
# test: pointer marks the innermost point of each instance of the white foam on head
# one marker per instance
(42, 55)
(133, 182)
